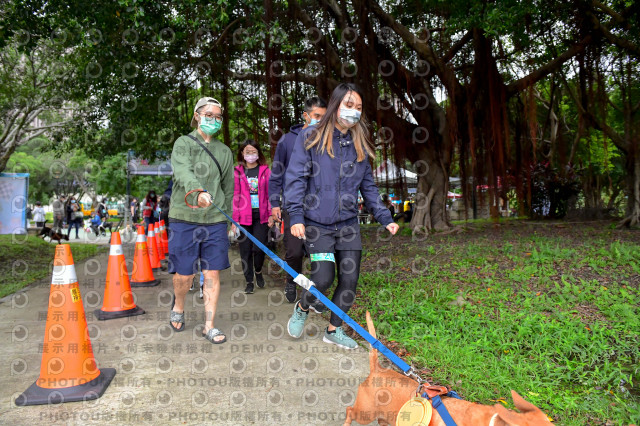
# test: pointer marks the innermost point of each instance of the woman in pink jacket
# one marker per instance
(251, 208)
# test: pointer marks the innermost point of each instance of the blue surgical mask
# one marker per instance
(312, 121)
(350, 116)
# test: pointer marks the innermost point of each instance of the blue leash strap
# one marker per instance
(436, 402)
(307, 284)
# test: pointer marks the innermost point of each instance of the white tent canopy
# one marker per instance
(142, 167)
(387, 172)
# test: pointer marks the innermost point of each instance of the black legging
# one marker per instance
(252, 257)
(322, 275)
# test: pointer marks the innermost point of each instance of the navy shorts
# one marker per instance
(190, 243)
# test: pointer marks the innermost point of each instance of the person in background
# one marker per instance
(69, 211)
(95, 223)
(164, 204)
(314, 109)
(58, 213)
(135, 210)
(149, 205)
(251, 209)
(75, 218)
(408, 212)
(364, 213)
(38, 215)
(102, 209)
(28, 215)
(328, 166)
(389, 204)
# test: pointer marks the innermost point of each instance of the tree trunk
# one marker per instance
(428, 146)
(273, 68)
(429, 211)
(5, 154)
(615, 191)
(226, 132)
(632, 218)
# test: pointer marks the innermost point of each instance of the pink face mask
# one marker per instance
(251, 158)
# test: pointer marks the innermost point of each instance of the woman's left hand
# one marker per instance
(393, 228)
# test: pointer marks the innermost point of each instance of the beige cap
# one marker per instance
(203, 102)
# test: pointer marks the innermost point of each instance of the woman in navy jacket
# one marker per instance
(328, 166)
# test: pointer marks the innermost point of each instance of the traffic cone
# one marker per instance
(152, 246)
(159, 243)
(142, 274)
(118, 299)
(165, 235)
(165, 238)
(68, 371)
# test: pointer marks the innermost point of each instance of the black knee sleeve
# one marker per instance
(322, 275)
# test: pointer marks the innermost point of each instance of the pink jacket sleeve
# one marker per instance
(268, 177)
(236, 195)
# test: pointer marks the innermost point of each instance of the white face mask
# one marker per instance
(349, 116)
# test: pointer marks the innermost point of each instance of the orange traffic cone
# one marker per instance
(152, 246)
(68, 371)
(142, 274)
(118, 299)
(159, 244)
(165, 239)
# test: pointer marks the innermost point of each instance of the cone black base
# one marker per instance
(151, 283)
(105, 315)
(35, 395)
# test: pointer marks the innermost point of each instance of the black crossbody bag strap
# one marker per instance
(210, 154)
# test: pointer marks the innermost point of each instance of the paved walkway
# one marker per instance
(259, 376)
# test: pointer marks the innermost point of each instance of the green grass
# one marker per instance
(552, 314)
(24, 260)
(485, 221)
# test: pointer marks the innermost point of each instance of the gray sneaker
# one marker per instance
(295, 326)
(339, 338)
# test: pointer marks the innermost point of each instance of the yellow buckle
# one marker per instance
(415, 412)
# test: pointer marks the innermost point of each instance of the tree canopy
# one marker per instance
(494, 91)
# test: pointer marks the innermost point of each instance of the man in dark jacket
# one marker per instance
(164, 204)
(58, 213)
(314, 109)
